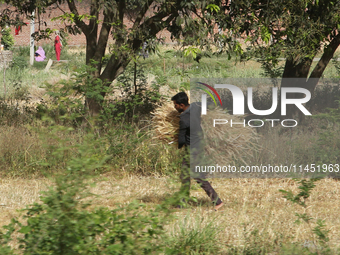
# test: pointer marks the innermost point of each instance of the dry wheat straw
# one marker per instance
(224, 144)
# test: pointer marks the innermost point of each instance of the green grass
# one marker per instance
(176, 71)
(167, 68)
(21, 74)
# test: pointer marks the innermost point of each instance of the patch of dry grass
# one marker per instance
(23, 149)
(251, 205)
(18, 148)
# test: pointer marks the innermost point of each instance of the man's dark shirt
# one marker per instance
(190, 130)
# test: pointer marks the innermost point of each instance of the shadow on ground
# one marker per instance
(171, 198)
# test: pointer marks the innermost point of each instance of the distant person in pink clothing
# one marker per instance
(39, 55)
(57, 45)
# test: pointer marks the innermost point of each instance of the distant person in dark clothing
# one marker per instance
(190, 137)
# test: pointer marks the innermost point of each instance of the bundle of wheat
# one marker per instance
(165, 122)
(223, 144)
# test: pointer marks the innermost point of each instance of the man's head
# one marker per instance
(181, 101)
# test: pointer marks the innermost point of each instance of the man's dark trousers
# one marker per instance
(185, 179)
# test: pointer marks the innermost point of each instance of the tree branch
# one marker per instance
(94, 11)
(150, 23)
(60, 8)
(326, 57)
(103, 38)
(118, 64)
(323, 62)
(141, 15)
(79, 23)
(121, 8)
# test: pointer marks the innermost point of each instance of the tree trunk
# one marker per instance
(295, 75)
(127, 42)
(93, 106)
(114, 68)
(322, 64)
(295, 69)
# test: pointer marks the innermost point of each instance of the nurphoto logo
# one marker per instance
(238, 104)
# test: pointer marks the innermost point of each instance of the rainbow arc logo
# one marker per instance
(209, 93)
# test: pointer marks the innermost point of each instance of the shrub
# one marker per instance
(19, 62)
(190, 236)
(137, 99)
(319, 233)
(7, 38)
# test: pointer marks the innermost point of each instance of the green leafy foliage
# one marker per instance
(191, 51)
(193, 236)
(58, 227)
(67, 98)
(65, 222)
(7, 38)
(136, 99)
(319, 232)
(19, 62)
(292, 31)
(213, 8)
(64, 107)
(305, 189)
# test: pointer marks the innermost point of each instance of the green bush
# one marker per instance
(22, 51)
(19, 62)
(137, 99)
(7, 38)
(191, 236)
(59, 226)
(64, 222)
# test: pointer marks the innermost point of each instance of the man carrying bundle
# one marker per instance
(190, 135)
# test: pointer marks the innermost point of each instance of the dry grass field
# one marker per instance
(254, 211)
(255, 214)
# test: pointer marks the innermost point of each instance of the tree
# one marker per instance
(296, 30)
(7, 38)
(107, 18)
